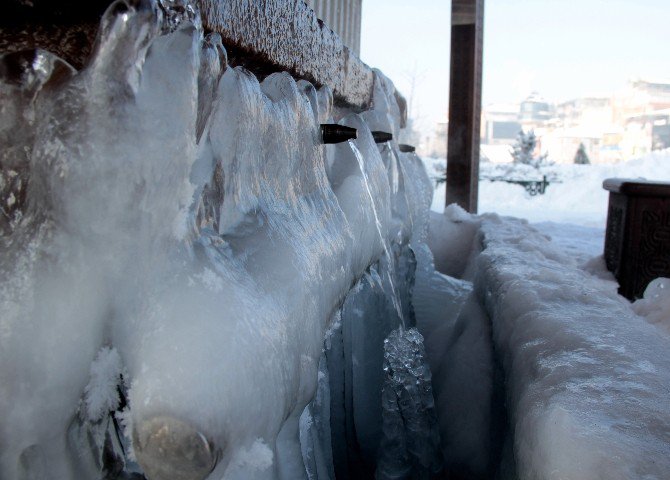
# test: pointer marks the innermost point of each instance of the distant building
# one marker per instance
(644, 111)
(535, 111)
(343, 17)
(646, 132)
(588, 121)
(500, 124)
(587, 110)
(562, 144)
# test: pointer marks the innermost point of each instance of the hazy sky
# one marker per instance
(560, 48)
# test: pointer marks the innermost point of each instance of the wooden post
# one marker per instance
(465, 103)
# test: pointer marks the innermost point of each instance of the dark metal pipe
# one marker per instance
(381, 137)
(334, 133)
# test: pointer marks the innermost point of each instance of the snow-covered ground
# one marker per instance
(573, 211)
(585, 377)
(578, 199)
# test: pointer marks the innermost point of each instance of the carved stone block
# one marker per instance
(637, 240)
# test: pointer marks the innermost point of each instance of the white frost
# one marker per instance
(101, 394)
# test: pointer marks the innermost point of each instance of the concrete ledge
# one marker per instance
(287, 35)
(265, 36)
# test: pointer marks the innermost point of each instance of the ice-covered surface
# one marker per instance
(459, 350)
(409, 446)
(296, 41)
(172, 221)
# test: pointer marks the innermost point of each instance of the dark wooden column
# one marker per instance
(465, 102)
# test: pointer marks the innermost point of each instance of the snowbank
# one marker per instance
(540, 369)
(587, 379)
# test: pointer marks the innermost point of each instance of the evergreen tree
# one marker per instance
(581, 158)
(524, 148)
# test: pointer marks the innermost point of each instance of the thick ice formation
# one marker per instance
(459, 348)
(177, 227)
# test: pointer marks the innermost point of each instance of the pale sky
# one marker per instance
(561, 48)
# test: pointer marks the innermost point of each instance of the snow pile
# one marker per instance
(451, 238)
(587, 379)
(655, 304)
(540, 369)
(183, 222)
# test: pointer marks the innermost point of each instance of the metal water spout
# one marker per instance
(382, 137)
(334, 133)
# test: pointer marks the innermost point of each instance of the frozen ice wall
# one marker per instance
(176, 244)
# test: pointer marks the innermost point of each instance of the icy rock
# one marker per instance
(410, 442)
(170, 449)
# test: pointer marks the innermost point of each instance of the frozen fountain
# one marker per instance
(194, 285)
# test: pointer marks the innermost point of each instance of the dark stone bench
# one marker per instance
(637, 240)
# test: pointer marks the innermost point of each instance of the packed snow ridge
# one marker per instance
(195, 287)
(585, 379)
